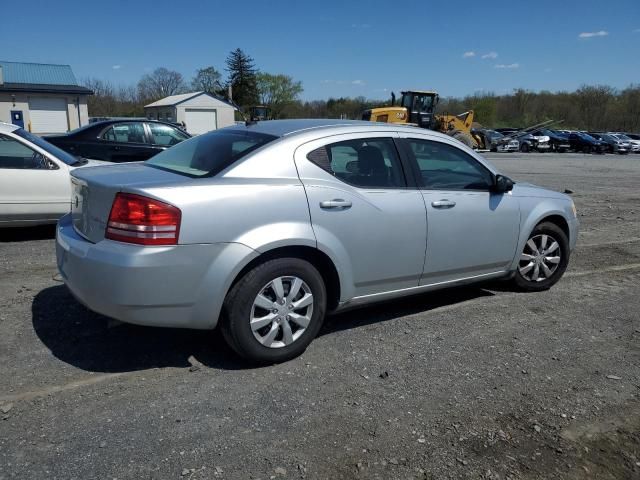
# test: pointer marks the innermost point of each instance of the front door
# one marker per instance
(362, 211)
(32, 186)
(17, 118)
(124, 142)
(471, 231)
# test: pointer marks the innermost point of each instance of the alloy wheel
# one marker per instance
(281, 312)
(540, 258)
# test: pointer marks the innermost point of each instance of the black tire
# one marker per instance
(238, 304)
(587, 149)
(556, 233)
(524, 148)
(464, 138)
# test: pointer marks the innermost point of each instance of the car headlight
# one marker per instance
(573, 209)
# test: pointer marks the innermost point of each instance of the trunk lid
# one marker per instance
(94, 188)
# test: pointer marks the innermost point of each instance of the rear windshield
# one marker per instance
(209, 154)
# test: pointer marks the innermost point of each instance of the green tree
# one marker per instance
(277, 91)
(207, 80)
(242, 78)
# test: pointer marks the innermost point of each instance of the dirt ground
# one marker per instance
(478, 382)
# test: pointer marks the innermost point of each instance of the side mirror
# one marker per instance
(502, 184)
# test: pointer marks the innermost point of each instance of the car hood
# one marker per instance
(530, 190)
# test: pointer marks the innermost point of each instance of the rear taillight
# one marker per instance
(142, 220)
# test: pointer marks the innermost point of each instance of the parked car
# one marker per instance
(612, 144)
(120, 140)
(586, 143)
(634, 145)
(530, 142)
(35, 186)
(495, 141)
(266, 227)
(558, 142)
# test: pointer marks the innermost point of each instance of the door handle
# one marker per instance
(335, 204)
(115, 147)
(443, 204)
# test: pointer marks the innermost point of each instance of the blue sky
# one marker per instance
(341, 48)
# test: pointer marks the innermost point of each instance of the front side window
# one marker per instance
(368, 162)
(16, 155)
(125, 133)
(445, 167)
(165, 135)
(209, 154)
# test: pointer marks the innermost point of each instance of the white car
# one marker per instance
(35, 185)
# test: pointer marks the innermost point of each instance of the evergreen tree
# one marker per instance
(242, 78)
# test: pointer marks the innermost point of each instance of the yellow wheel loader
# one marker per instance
(417, 107)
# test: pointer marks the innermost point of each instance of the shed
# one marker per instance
(200, 111)
(42, 98)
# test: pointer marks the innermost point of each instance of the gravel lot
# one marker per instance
(476, 382)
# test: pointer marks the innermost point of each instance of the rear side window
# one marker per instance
(125, 133)
(367, 162)
(210, 153)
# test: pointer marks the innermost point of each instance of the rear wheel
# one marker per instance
(524, 147)
(275, 310)
(544, 258)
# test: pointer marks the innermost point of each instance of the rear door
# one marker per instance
(33, 187)
(125, 142)
(471, 231)
(364, 211)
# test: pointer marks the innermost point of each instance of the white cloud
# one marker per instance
(468, 54)
(116, 67)
(547, 70)
(357, 82)
(491, 55)
(510, 66)
(601, 33)
(360, 25)
(637, 30)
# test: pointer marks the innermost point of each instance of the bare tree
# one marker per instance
(159, 84)
(208, 80)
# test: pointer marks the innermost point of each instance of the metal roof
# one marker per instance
(173, 100)
(37, 73)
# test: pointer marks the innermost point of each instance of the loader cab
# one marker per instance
(259, 113)
(420, 107)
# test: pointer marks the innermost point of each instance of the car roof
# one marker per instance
(283, 128)
(8, 127)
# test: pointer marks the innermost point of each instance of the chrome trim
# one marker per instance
(143, 228)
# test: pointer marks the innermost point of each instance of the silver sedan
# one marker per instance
(264, 228)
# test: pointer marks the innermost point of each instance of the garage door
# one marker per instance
(200, 121)
(48, 115)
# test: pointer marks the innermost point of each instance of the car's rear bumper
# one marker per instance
(169, 286)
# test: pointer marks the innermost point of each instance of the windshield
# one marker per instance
(585, 136)
(623, 137)
(209, 154)
(49, 148)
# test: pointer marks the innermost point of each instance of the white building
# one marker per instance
(200, 111)
(42, 98)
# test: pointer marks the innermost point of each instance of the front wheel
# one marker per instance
(544, 258)
(275, 310)
(524, 148)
